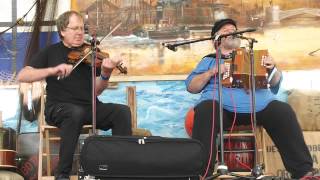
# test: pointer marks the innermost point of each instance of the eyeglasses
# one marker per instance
(76, 28)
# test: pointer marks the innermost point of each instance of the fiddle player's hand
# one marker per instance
(62, 70)
(109, 64)
(268, 62)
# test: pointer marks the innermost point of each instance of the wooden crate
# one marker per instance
(273, 162)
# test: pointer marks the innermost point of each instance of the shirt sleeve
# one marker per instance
(275, 89)
(39, 60)
(204, 65)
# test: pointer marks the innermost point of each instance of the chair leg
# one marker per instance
(40, 155)
(264, 152)
(259, 145)
(48, 153)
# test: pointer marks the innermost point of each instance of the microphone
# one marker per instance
(237, 32)
(86, 24)
(170, 46)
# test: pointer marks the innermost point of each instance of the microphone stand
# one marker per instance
(93, 76)
(222, 168)
(93, 52)
(258, 169)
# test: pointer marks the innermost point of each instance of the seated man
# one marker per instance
(69, 97)
(275, 116)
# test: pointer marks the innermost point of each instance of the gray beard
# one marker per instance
(231, 43)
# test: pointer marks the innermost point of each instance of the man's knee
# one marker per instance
(126, 110)
(77, 116)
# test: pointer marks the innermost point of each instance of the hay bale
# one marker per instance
(306, 104)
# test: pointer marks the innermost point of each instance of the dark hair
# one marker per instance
(63, 20)
(218, 25)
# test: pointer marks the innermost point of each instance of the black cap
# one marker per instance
(218, 25)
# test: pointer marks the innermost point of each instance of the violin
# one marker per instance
(79, 55)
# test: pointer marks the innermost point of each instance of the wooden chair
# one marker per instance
(49, 134)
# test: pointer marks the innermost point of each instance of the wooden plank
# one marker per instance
(132, 103)
(229, 176)
(239, 134)
(74, 177)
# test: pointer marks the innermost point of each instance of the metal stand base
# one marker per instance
(256, 173)
(222, 169)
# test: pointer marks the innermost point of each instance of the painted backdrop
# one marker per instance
(288, 29)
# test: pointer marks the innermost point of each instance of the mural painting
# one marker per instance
(287, 29)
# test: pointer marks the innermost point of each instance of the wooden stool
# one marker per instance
(245, 132)
(238, 132)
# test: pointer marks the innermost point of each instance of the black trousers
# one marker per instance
(71, 117)
(280, 122)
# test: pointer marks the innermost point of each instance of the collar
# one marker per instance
(223, 56)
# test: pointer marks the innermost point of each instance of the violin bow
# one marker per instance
(115, 28)
(313, 52)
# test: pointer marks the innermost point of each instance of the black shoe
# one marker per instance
(62, 177)
(311, 175)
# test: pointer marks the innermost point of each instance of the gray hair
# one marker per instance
(63, 20)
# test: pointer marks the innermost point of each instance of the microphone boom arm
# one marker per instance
(173, 45)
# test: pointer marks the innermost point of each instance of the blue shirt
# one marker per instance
(234, 99)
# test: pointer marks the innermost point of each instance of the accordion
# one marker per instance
(238, 70)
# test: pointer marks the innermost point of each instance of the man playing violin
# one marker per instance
(69, 97)
(277, 117)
